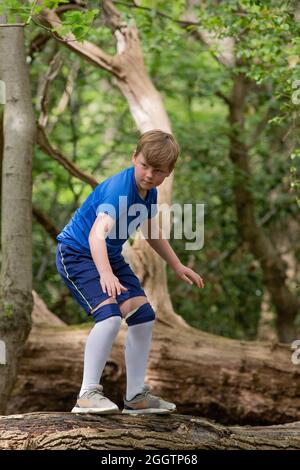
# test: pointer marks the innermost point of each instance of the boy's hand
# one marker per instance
(111, 284)
(188, 275)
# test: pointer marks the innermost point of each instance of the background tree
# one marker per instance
(16, 220)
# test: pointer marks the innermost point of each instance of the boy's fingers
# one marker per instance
(113, 291)
(198, 280)
(187, 279)
(122, 287)
(103, 287)
(118, 289)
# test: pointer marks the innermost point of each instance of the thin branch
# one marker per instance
(89, 51)
(60, 9)
(38, 43)
(63, 102)
(44, 220)
(26, 22)
(224, 97)
(13, 25)
(70, 6)
(31, 12)
(45, 145)
(159, 13)
(52, 72)
(55, 35)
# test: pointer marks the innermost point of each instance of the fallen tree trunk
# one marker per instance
(64, 431)
(205, 375)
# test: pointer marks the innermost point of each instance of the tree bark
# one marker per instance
(227, 380)
(16, 230)
(63, 431)
(1, 149)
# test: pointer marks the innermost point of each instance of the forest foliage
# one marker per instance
(95, 130)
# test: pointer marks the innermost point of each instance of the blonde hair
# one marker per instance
(159, 149)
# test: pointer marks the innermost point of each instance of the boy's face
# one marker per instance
(146, 176)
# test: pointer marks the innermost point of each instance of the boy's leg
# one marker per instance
(97, 349)
(140, 320)
(137, 345)
(140, 317)
(98, 346)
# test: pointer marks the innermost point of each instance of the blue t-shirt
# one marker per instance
(117, 196)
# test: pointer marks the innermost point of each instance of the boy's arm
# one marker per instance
(165, 251)
(158, 243)
(99, 231)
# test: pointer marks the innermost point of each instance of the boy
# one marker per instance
(90, 261)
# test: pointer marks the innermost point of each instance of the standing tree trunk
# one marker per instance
(1, 148)
(16, 227)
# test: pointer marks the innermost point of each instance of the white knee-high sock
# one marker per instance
(97, 349)
(137, 348)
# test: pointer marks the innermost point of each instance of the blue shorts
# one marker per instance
(80, 274)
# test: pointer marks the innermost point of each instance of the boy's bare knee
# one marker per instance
(111, 300)
(131, 304)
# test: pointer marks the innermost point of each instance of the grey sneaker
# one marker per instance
(93, 401)
(146, 403)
